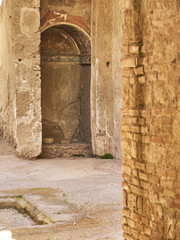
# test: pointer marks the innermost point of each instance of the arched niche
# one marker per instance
(66, 77)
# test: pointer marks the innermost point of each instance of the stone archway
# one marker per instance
(66, 76)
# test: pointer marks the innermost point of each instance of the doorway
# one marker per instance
(65, 85)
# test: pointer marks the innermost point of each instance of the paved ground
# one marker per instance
(83, 197)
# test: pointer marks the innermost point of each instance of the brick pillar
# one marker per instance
(151, 120)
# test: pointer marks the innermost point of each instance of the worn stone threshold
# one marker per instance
(67, 150)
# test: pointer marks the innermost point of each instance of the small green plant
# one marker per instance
(65, 201)
(79, 155)
(19, 196)
(64, 194)
(107, 156)
(25, 215)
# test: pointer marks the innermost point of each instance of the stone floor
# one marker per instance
(82, 197)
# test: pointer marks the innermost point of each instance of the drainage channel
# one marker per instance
(17, 211)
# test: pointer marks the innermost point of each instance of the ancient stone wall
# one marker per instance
(7, 79)
(26, 33)
(20, 67)
(151, 119)
(105, 86)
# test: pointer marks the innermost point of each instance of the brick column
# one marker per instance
(150, 120)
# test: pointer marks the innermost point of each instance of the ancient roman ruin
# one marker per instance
(96, 77)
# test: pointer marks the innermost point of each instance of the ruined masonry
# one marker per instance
(103, 77)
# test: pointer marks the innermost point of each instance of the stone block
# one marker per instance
(139, 71)
(128, 62)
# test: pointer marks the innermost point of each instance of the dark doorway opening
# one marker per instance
(65, 84)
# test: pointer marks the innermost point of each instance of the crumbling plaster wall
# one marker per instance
(151, 119)
(21, 74)
(7, 79)
(26, 25)
(106, 75)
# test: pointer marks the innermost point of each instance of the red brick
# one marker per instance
(167, 183)
(125, 186)
(154, 226)
(177, 205)
(142, 80)
(154, 130)
(130, 162)
(143, 237)
(125, 80)
(156, 139)
(127, 236)
(154, 196)
(154, 179)
(144, 130)
(139, 227)
(160, 228)
(169, 193)
(135, 173)
(134, 120)
(140, 165)
(166, 140)
(161, 172)
(146, 139)
(135, 233)
(146, 113)
(147, 230)
(134, 49)
(136, 217)
(177, 185)
(124, 50)
(131, 223)
(156, 112)
(158, 121)
(137, 190)
(128, 62)
(143, 176)
(169, 202)
(167, 121)
(127, 71)
(135, 181)
(134, 112)
(126, 212)
(126, 228)
(168, 111)
(145, 185)
(172, 174)
(145, 221)
(139, 71)
(157, 188)
(150, 168)
(124, 220)
(134, 129)
(126, 177)
(178, 196)
(126, 169)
